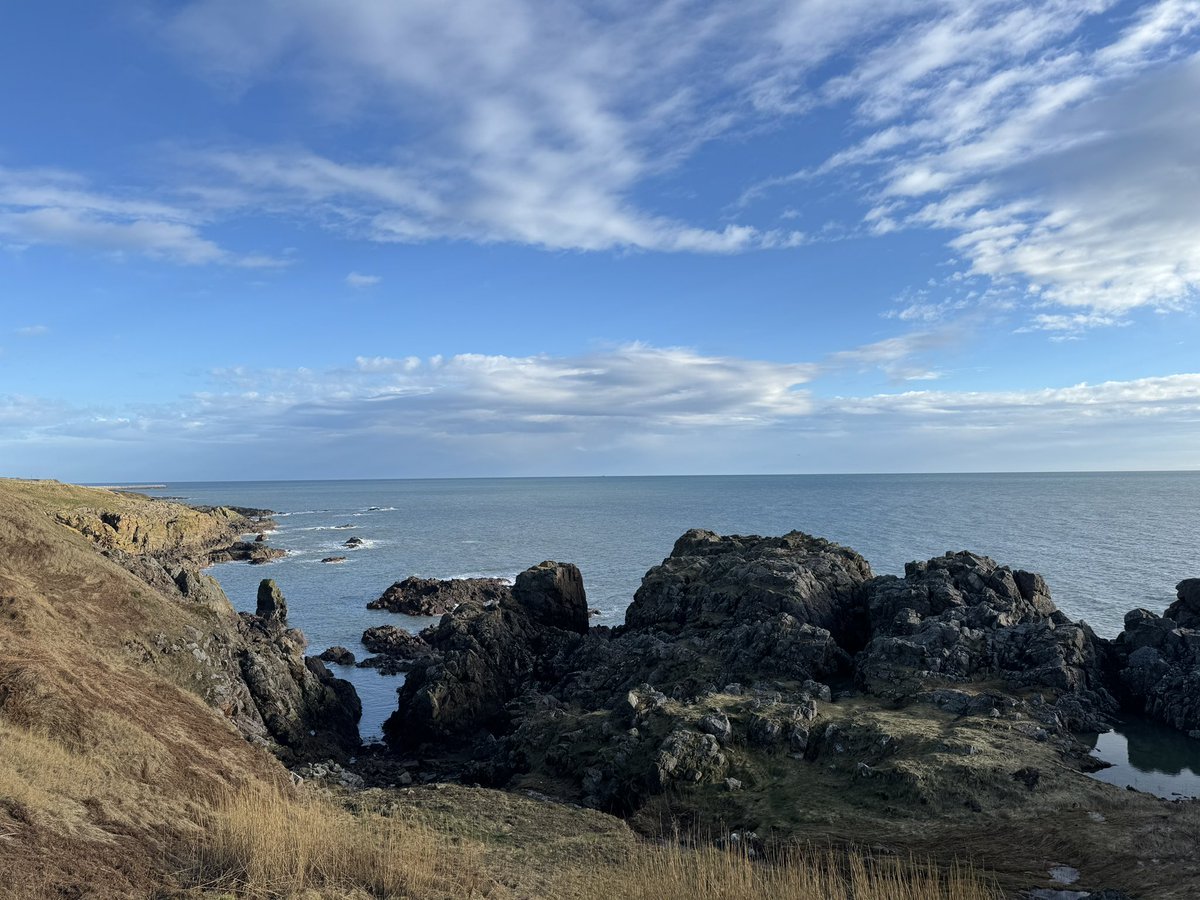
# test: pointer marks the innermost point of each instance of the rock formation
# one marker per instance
(733, 648)
(431, 597)
(1157, 659)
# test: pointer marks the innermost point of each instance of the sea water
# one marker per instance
(1105, 542)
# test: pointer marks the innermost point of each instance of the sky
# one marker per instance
(254, 239)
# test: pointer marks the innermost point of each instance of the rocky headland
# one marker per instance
(774, 684)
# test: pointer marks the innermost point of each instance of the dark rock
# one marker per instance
(253, 552)
(393, 641)
(709, 580)
(962, 616)
(1185, 611)
(552, 594)
(1158, 665)
(353, 542)
(339, 655)
(433, 597)
(485, 654)
(334, 559)
(271, 605)
(304, 707)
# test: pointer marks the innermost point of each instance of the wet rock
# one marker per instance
(334, 559)
(339, 655)
(353, 543)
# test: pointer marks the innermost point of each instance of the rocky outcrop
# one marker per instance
(1185, 611)
(254, 552)
(729, 651)
(1157, 661)
(710, 581)
(962, 617)
(397, 650)
(431, 597)
(485, 654)
(305, 709)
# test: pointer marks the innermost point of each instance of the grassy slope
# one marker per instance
(104, 765)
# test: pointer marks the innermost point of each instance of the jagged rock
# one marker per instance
(339, 655)
(334, 559)
(433, 597)
(353, 543)
(1185, 611)
(962, 616)
(486, 654)
(303, 706)
(1158, 666)
(713, 581)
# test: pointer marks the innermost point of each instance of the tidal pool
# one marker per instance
(1149, 757)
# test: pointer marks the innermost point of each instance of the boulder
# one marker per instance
(393, 641)
(552, 594)
(339, 655)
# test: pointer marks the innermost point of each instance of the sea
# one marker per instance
(1106, 542)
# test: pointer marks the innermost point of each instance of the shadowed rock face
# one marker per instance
(709, 581)
(304, 708)
(487, 652)
(1158, 661)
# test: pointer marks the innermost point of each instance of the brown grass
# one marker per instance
(263, 843)
(272, 845)
(678, 872)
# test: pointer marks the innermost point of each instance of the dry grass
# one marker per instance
(263, 843)
(271, 844)
(676, 872)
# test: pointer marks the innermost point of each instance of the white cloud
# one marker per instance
(535, 123)
(57, 208)
(357, 280)
(1054, 158)
(633, 408)
(33, 330)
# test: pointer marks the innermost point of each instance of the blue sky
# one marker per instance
(375, 239)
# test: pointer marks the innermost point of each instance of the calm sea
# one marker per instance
(1106, 542)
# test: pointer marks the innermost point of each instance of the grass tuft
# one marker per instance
(264, 843)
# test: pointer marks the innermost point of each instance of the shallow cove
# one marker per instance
(1149, 757)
